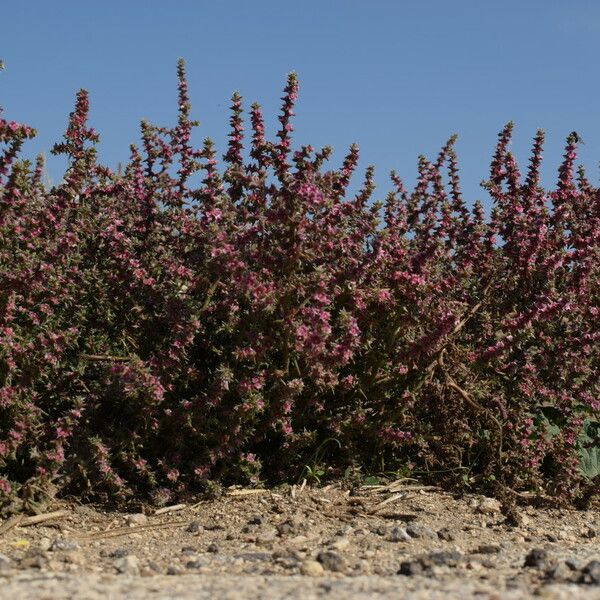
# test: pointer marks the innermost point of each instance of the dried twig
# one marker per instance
(167, 509)
(23, 521)
(387, 501)
(36, 519)
(324, 513)
(122, 531)
(465, 396)
(249, 492)
(105, 358)
(10, 523)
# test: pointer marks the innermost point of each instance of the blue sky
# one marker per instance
(396, 77)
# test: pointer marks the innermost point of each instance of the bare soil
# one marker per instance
(395, 541)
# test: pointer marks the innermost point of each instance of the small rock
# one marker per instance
(565, 535)
(417, 530)
(340, 543)
(488, 506)
(559, 572)
(213, 548)
(127, 565)
(136, 519)
(524, 520)
(153, 566)
(193, 527)
(64, 545)
(256, 520)
(285, 557)
(44, 544)
(446, 534)
(363, 567)
(538, 558)
(398, 534)
(295, 553)
(257, 556)
(118, 553)
(174, 570)
(287, 527)
(311, 568)
(196, 563)
(449, 558)
(573, 563)
(488, 549)
(410, 568)
(589, 532)
(332, 561)
(187, 550)
(5, 562)
(590, 574)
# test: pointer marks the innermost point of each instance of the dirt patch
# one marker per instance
(400, 540)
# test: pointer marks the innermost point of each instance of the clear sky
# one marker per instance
(397, 77)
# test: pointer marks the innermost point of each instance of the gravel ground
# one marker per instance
(394, 541)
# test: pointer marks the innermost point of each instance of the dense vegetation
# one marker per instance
(177, 324)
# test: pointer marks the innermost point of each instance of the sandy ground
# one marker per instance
(395, 541)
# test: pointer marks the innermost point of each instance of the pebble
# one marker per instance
(311, 568)
(332, 561)
(398, 534)
(589, 532)
(64, 545)
(340, 543)
(257, 556)
(449, 558)
(590, 574)
(410, 568)
(196, 563)
(212, 548)
(153, 566)
(118, 553)
(256, 520)
(193, 527)
(488, 549)
(488, 506)
(573, 563)
(44, 544)
(289, 526)
(417, 530)
(127, 565)
(136, 519)
(446, 534)
(174, 570)
(538, 558)
(559, 572)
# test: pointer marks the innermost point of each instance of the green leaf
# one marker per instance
(589, 462)
(371, 480)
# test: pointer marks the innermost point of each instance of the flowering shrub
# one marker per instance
(176, 323)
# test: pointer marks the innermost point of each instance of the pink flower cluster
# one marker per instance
(178, 322)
